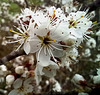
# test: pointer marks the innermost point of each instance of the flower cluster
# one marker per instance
(52, 37)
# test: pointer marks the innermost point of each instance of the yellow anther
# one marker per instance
(53, 15)
(94, 22)
(80, 46)
(80, 18)
(51, 41)
(74, 22)
(16, 32)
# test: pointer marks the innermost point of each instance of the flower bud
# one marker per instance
(96, 79)
(78, 79)
(10, 79)
(3, 70)
(19, 69)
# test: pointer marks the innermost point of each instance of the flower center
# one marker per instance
(21, 89)
(24, 35)
(46, 40)
(73, 23)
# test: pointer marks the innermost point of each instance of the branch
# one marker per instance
(11, 56)
(27, 5)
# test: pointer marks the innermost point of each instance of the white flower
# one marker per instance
(49, 70)
(77, 79)
(3, 70)
(69, 6)
(57, 13)
(46, 42)
(22, 87)
(96, 79)
(70, 56)
(10, 79)
(87, 53)
(98, 33)
(71, 41)
(19, 69)
(98, 71)
(78, 23)
(24, 36)
(97, 58)
(91, 43)
(57, 87)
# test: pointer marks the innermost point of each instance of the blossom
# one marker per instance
(69, 5)
(78, 79)
(47, 38)
(19, 69)
(97, 58)
(87, 53)
(3, 70)
(70, 56)
(91, 43)
(10, 79)
(96, 79)
(22, 87)
(98, 33)
(78, 23)
(49, 71)
(57, 87)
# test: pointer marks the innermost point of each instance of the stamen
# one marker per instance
(51, 41)
(94, 22)
(75, 22)
(53, 15)
(80, 46)
(16, 32)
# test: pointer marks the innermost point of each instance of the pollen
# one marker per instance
(53, 15)
(16, 32)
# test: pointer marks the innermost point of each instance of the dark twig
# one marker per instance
(11, 56)
(27, 5)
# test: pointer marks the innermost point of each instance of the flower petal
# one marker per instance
(14, 92)
(27, 47)
(28, 81)
(43, 58)
(18, 83)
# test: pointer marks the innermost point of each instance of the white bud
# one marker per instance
(19, 69)
(3, 70)
(96, 79)
(77, 78)
(10, 79)
(71, 40)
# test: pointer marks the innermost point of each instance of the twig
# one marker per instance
(11, 56)
(27, 5)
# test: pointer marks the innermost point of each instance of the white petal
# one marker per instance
(43, 58)
(50, 71)
(27, 47)
(13, 92)
(38, 73)
(18, 83)
(29, 81)
(28, 88)
(35, 46)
